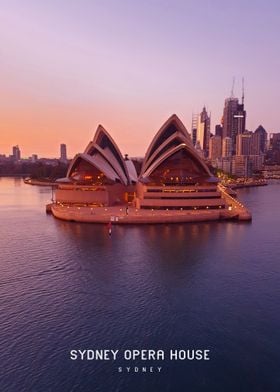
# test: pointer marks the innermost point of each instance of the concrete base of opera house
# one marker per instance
(120, 215)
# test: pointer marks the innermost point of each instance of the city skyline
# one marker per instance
(67, 68)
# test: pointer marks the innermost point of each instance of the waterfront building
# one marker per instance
(173, 178)
(173, 175)
(226, 164)
(256, 162)
(274, 148)
(240, 167)
(246, 165)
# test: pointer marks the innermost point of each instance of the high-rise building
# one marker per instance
(275, 148)
(246, 165)
(194, 128)
(203, 131)
(228, 120)
(63, 153)
(215, 147)
(240, 167)
(256, 140)
(234, 119)
(16, 153)
(227, 147)
(218, 130)
(263, 138)
(244, 143)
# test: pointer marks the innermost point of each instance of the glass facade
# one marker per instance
(179, 169)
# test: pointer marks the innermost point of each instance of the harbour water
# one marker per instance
(65, 285)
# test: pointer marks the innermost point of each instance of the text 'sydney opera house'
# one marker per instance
(173, 184)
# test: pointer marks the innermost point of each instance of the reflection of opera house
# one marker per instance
(174, 183)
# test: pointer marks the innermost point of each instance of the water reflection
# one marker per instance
(66, 284)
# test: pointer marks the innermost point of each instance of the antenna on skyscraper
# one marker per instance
(242, 91)
(232, 88)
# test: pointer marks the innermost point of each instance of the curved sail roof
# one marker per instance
(103, 156)
(97, 161)
(171, 138)
(103, 153)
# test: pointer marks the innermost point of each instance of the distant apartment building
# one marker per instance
(256, 144)
(246, 165)
(263, 138)
(227, 147)
(274, 148)
(16, 153)
(215, 147)
(219, 130)
(243, 144)
(63, 153)
(240, 165)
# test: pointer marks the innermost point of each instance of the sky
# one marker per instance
(67, 66)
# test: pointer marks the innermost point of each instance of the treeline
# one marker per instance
(35, 170)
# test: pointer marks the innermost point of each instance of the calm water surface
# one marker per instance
(69, 286)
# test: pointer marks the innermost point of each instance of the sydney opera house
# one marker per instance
(172, 184)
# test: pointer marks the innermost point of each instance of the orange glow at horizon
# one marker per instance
(40, 127)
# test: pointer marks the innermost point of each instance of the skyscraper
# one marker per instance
(234, 119)
(227, 147)
(215, 147)
(256, 144)
(63, 153)
(263, 138)
(203, 131)
(194, 128)
(230, 109)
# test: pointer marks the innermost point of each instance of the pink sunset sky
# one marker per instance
(67, 66)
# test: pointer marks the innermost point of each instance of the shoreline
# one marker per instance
(246, 185)
(30, 181)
